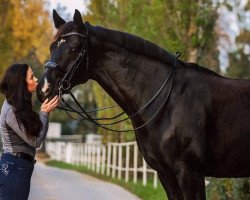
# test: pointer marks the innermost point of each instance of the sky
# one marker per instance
(70, 5)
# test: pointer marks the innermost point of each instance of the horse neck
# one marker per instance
(130, 79)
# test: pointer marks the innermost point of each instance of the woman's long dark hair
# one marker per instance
(14, 86)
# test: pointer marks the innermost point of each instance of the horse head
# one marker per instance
(68, 52)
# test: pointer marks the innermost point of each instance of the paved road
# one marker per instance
(50, 183)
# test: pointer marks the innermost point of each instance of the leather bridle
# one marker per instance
(65, 83)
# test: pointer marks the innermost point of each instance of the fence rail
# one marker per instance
(118, 160)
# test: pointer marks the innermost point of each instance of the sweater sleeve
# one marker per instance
(19, 129)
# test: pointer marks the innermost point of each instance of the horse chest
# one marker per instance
(150, 149)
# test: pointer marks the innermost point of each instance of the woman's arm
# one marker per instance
(45, 121)
(19, 129)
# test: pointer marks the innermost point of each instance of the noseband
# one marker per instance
(65, 83)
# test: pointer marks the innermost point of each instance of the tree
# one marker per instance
(5, 34)
(184, 26)
(239, 56)
(239, 60)
(25, 33)
(31, 29)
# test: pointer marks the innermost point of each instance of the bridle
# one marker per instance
(65, 84)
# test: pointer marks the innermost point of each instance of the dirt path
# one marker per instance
(49, 183)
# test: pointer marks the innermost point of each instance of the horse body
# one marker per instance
(197, 129)
(229, 138)
(201, 130)
(212, 123)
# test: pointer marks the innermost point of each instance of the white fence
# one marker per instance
(118, 160)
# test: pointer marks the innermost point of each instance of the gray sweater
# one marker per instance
(14, 137)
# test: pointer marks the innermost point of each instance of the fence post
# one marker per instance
(63, 151)
(78, 154)
(103, 159)
(120, 162)
(57, 150)
(50, 147)
(82, 154)
(68, 152)
(89, 156)
(98, 159)
(155, 179)
(93, 155)
(135, 162)
(73, 153)
(144, 173)
(109, 159)
(127, 163)
(85, 155)
(114, 160)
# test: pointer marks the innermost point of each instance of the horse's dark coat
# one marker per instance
(202, 130)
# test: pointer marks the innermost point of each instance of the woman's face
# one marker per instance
(31, 81)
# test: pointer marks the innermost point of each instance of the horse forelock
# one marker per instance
(65, 28)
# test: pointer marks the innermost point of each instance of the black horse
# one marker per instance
(202, 125)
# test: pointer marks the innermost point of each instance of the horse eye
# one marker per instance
(73, 49)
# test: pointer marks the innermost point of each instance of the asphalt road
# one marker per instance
(49, 183)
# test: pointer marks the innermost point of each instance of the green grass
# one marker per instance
(144, 192)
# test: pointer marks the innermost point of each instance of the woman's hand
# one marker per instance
(49, 106)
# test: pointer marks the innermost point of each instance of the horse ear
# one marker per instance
(58, 21)
(78, 18)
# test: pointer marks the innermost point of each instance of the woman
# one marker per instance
(22, 129)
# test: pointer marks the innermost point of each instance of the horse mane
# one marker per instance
(65, 28)
(132, 43)
(141, 46)
(199, 68)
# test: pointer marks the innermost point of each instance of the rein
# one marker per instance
(89, 118)
(65, 84)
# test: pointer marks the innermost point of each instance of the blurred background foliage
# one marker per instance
(193, 27)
